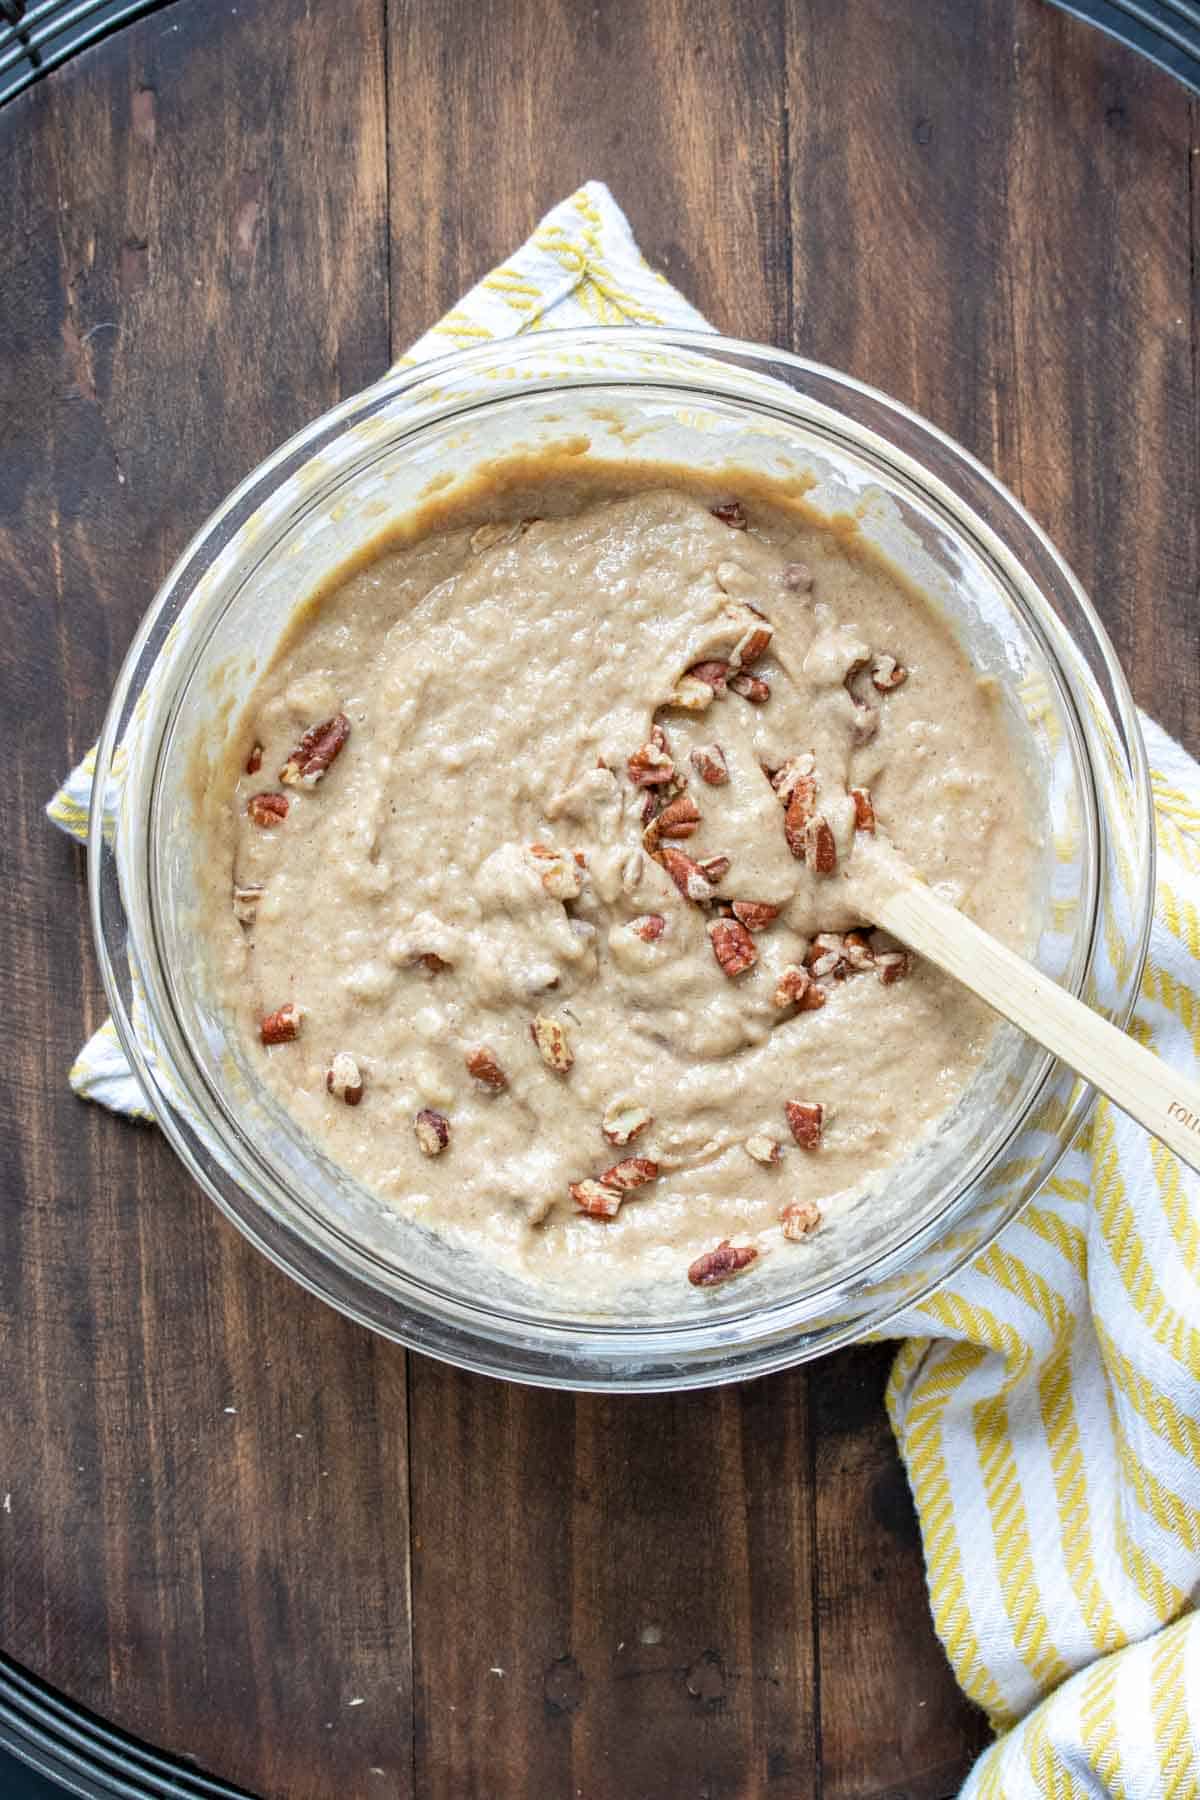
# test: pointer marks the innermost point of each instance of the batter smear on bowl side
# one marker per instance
(538, 868)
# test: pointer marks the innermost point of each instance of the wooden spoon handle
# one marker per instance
(1136, 1080)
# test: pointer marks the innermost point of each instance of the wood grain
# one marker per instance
(205, 1535)
(635, 1618)
(212, 226)
(677, 106)
(1004, 242)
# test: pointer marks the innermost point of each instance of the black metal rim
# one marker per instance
(84, 1755)
(1165, 31)
(38, 35)
(52, 1735)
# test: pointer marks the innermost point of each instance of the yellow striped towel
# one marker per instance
(1047, 1405)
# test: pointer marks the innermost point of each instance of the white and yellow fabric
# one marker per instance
(1047, 1405)
(1049, 1418)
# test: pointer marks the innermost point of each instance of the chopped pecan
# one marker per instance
(802, 799)
(245, 902)
(820, 845)
(622, 1122)
(648, 926)
(755, 915)
(560, 874)
(343, 1079)
(797, 988)
(317, 749)
(887, 673)
(733, 946)
(678, 819)
(709, 762)
(719, 1264)
(826, 956)
(634, 1172)
(831, 964)
(893, 965)
(754, 642)
(551, 1040)
(798, 577)
(715, 868)
(792, 989)
(254, 760)
(593, 1198)
(731, 513)
(857, 951)
(282, 1026)
(651, 766)
(692, 694)
(764, 1149)
(805, 1120)
(750, 687)
(482, 1064)
(754, 645)
(429, 959)
(713, 673)
(799, 1218)
(268, 810)
(785, 777)
(687, 875)
(864, 810)
(432, 1131)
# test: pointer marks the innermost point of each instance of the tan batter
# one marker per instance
(472, 861)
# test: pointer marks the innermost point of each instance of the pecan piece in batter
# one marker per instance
(709, 762)
(482, 1064)
(432, 1131)
(268, 810)
(687, 875)
(806, 1119)
(281, 1026)
(343, 1079)
(718, 1265)
(633, 1172)
(551, 1040)
(317, 749)
(593, 1198)
(799, 1218)
(733, 947)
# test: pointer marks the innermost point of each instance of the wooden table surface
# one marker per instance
(229, 1520)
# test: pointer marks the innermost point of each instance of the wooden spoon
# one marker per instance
(1134, 1079)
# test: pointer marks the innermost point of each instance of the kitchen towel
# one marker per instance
(1047, 1402)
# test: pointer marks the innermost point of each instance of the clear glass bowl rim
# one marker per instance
(728, 1354)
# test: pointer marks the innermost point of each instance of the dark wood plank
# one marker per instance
(1103, 407)
(1001, 241)
(611, 1596)
(891, 1720)
(203, 1531)
(500, 108)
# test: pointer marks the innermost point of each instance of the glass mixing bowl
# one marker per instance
(640, 396)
